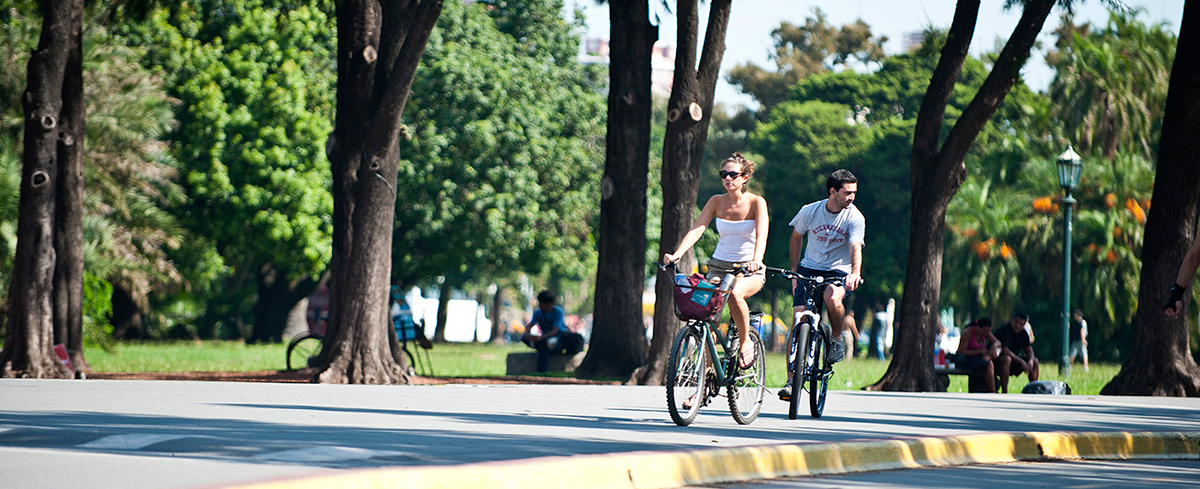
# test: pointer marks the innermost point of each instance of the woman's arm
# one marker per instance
(694, 234)
(761, 228)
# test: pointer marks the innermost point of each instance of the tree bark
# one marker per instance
(498, 326)
(1161, 363)
(937, 173)
(439, 329)
(68, 229)
(379, 48)
(618, 343)
(28, 346)
(683, 157)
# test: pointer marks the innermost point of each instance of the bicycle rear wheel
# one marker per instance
(685, 375)
(800, 345)
(818, 382)
(304, 349)
(747, 390)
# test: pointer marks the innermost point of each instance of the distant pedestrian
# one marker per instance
(1079, 343)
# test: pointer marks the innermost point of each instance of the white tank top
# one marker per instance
(737, 239)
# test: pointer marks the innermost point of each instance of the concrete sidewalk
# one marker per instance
(159, 434)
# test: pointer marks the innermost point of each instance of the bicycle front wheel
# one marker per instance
(685, 375)
(818, 382)
(746, 391)
(304, 349)
(799, 344)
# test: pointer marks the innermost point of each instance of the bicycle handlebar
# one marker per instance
(815, 280)
(737, 269)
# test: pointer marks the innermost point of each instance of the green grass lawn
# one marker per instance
(485, 360)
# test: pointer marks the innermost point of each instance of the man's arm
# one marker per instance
(794, 247)
(1187, 271)
(855, 278)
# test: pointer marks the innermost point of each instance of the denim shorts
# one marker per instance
(800, 295)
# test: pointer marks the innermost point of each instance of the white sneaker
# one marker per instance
(837, 352)
(785, 394)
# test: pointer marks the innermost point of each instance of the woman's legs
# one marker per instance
(744, 287)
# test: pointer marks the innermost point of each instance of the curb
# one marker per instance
(657, 469)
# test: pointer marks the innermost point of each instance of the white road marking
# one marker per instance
(330, 454)
(132, 441)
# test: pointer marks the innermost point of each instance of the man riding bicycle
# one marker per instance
(834, 228)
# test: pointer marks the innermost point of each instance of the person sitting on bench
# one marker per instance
(550, 338)
(977, 348)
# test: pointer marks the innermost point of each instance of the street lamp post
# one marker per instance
(1069, 167)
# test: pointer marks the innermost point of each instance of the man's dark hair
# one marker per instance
(546, 297)
(838, 178)
(1021, 315)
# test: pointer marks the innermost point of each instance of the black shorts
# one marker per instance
(800, 295)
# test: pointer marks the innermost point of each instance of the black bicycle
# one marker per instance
(696, 370)
(808, 346)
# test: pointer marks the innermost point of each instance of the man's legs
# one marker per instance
(837, 316)
(1003, 364)
(1033, 372)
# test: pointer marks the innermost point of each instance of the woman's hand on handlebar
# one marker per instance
(753, 266)
(669, 258)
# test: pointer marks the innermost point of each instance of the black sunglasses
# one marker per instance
(730, 174)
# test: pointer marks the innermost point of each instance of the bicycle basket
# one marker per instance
(699, 299)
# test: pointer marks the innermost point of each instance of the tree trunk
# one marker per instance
(498, 326)
(1161, 363)
(68, 229)
(439, 329)
(128, 320)
(936, 176)
(379, 48)
(277, 296)
(618, 343)
(689, 112)
(28, 347)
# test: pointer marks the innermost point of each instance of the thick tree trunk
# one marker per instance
(1161, 363)
(68, 230)
(618, 343)
(277, 296)
(936, 176)
(128, 319)
(689, 112)
(379, 48)
(28, 347)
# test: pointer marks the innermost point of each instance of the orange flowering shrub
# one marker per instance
(1044, 205)
(983, 249)
(1136, 209)
(1006, 252)
(1110, 201)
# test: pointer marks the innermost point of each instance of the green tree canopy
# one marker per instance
(500, 166)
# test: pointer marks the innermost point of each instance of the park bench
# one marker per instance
(522, 363)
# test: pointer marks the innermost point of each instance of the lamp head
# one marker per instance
(1069, 167)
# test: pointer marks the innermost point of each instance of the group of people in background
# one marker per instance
(1007, 350)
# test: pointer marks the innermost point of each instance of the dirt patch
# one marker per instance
(304, 377)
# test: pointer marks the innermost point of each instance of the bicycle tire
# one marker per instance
(800, 337)
(304, 349)
(685, 375)
(746, 391)
(818, 382)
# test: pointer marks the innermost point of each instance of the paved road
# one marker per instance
(166, 434)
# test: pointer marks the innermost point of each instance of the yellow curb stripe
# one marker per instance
(648, 470)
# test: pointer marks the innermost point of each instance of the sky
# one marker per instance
(748, 38)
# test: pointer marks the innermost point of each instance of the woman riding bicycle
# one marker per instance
(741, 222)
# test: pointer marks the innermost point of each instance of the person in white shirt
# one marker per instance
(741, 222)
(834, 230)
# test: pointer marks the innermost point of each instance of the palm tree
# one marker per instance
(1112, 82)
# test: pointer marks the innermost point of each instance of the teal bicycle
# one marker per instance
(702, 360)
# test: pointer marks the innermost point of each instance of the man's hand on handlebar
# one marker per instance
(852, 281)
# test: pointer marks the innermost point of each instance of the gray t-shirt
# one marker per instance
(829, 235)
